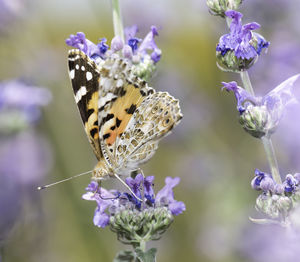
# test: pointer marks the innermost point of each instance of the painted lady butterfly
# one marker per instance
(123, 117)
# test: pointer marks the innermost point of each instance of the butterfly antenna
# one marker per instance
(128, 187)
(64, 180)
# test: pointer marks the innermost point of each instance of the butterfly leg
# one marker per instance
(128, 187)
(100, 195)
(141, 172)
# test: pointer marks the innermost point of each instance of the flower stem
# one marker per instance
(272, 159)
(267, 142)
(246, 82)
(117, 19)
(143, 245)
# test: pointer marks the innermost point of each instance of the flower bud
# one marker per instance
(284, 204)
(219, 7)
(230, 63)
(144, 68)
(256, 121)
(266, 204)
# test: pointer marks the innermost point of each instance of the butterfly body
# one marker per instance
(123, 117)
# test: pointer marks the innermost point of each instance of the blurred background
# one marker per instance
(211, 153)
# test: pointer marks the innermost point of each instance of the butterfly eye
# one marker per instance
(166, 122)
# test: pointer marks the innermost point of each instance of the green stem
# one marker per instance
(117, 19)
(246, 82)
(267, 142)
(271, 158)
(143, 245)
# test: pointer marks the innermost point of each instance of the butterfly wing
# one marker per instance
(154, 118)
(85, 75)
(120, 94)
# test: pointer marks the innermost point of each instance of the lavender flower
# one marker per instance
(143, 53)
(277, 200)
(129, 217)
(260, 116)
(290, 184)
(238, 50)
(270, 243)
(89, 48)
(262, 181)
(25, 156)
(17, 112)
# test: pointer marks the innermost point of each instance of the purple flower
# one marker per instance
(89, 48)
(104, 199)
(133, 46)
(262, 181)
(130, 32)
(241, 95)
(262, 114)
(116, 44)
(166, 196)
(149, 44)
(12, 100)
(269, 243)
(239, 38)
(110, 203)
(135, 185)
(32, 153)
(103, 47)
(290, 183)
(148, 189)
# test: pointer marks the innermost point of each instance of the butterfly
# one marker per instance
(123, 117)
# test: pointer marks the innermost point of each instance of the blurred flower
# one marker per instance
(262, 181)
(238, 50)
(20, 104)
(10, 11)
(10, 205)
(143, 53)
(290, 183)
(269, 243)
(129, 217)
(219, 7)
(260, 116)
(25, 156)
(277, 200)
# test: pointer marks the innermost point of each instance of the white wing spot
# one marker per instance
(89, 76)
(80, 93)
(72, 74)
(77, 66)
(119, 83)
(82, 68)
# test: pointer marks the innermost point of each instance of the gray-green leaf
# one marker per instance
(148, 256)
(125, 256)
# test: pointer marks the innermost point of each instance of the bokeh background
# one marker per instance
(211, 153)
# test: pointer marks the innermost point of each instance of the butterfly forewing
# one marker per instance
(85, 76)
(121, 94)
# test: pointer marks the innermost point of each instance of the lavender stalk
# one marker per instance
(236, 52)
(117, 19)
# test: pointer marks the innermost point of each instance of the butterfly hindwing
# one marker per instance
(156, 116)
(85, 76)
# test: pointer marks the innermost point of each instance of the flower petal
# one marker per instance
(177, 207)
(101, 219)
